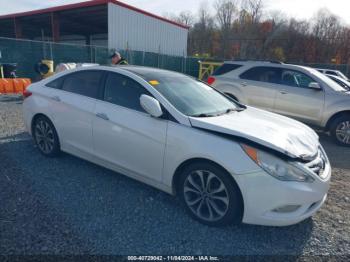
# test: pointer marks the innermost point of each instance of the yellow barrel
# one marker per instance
(49, 63)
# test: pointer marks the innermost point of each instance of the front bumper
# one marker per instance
(271, 202)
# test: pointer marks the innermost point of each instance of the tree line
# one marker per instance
(242, 29)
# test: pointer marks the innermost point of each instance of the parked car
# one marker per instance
(228, 162)
(340, 81)
(295, 91)
(333, 73)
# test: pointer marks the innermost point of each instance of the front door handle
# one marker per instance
(103, 116)
(56, 98)
(283, 92)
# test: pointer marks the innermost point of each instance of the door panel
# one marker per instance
(124, 134)
(73, 116)
(259, 85)
(130, 139)
(295, 99)
(259, 94)
(73, 98)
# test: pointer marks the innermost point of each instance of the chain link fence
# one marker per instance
(26, 53)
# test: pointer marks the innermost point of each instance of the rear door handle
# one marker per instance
(283, 92)
(103, 116)
(244, 84)
(56, 98)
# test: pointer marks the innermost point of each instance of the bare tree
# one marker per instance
(254, 8)
(241, 29)
(186, 18)
(327, 30)
(202, 32)
(226, 12)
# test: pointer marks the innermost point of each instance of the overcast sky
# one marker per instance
(294, 8)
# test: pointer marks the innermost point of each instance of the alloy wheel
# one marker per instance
(343, 132)
(206, 195)
(44, 136)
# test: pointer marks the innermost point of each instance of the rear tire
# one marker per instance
(210, 195)
(45, 137)
(340, 130)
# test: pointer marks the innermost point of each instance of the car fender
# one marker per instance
(334, 108)
(36, 104)
(226, 153)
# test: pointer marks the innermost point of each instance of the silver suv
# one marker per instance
(295, 91)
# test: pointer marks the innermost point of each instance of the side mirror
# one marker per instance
(315, 85)
(151, 105)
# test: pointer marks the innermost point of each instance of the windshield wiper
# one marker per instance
(229, 110)
(203, 115)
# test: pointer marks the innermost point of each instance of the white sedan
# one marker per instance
(229, 163)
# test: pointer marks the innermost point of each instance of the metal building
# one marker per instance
(109, 23)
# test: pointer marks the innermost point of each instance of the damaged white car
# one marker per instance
(228, 162)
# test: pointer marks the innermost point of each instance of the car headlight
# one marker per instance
(277, 167)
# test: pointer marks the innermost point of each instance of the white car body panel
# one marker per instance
(151, 149)
(75, 130)
(280, 133)
(138, 140)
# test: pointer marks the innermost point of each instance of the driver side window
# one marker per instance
(296, 79)
(124, 91)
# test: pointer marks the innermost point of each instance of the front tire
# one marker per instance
(210, 195)
(340, 130)
(45, 137)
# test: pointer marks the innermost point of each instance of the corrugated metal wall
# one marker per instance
(128, 29)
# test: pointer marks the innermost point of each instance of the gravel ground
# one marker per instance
(66, 205)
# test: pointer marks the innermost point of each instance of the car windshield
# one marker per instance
(340, 81)
(332, 84)
(343, 76)
(191, 97)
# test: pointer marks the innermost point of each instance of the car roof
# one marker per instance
(267, 63)
(248, 62)
(325, 69)
(144, 70)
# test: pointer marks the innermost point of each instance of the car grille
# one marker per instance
(318, 164)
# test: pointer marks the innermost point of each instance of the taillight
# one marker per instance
(26, 94)
(210, 80)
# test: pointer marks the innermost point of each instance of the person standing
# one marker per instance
(117, 59)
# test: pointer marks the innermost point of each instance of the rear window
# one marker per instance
(86, 83)
(225, 68)
(331, 73)
(263, 74)
(57, 83)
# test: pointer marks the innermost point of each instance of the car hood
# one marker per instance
(276, 132)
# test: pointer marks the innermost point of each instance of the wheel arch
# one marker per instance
(335, 116)
(35, 117)
(191, 161)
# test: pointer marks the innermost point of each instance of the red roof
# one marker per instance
(91, 3)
